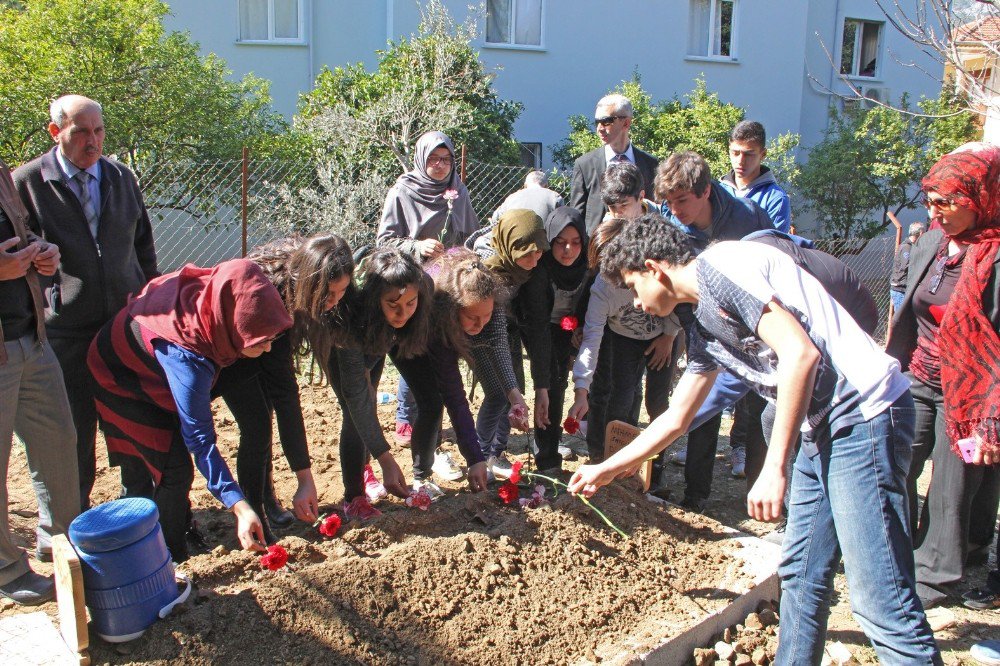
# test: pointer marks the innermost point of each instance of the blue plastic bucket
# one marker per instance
(128, 578)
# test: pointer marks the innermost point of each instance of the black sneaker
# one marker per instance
(660, 493)
(981, 599)
(196, 541)
(277, 515)
(694, 504)
(29, 589)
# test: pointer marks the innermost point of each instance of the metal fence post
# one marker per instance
(899, 239)
(243, 198)
(461, 172)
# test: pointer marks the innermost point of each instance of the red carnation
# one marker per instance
(569, 323)
(419, 500)
(515, 471)
(571, 425)
(329, 525)
(275, 558)
(508, 492)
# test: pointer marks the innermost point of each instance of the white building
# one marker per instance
(557, 57)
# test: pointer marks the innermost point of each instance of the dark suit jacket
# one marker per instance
(94, 278)
(903, 337)
(585, 194)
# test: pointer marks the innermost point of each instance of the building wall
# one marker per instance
(588, 47)
(904, 69)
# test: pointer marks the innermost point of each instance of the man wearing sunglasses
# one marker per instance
(612, 121)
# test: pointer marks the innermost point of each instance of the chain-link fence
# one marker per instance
(871, 261)
(204, 213)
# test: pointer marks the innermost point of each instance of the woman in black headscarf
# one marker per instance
(552, 293)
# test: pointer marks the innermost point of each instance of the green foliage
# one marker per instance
(700, 122)
(161, 100)
(361, 127)
(432, 81)
(870, 162)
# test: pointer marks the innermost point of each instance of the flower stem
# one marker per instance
(583, 499)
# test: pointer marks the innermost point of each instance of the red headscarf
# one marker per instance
(215, 312)
(969, 345)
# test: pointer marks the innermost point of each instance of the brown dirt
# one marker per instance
(471, 581)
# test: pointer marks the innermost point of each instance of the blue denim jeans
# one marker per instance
(896, 297)
(406, 404)
(849, 500)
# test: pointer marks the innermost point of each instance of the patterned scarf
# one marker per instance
(969, 345)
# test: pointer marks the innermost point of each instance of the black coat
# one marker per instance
(585, 194)
(94, 279)
(903, 336)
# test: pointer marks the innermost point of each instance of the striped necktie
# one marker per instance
(83, 178)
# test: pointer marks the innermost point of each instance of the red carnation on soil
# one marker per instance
(569, 323)
(515, 471)
(571, 425)
(508, 492)
(328, 526)
(419, 499)
(275, 558)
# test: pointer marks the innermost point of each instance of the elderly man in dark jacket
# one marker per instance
(91, 207)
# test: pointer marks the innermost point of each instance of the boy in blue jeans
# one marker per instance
(770, 323)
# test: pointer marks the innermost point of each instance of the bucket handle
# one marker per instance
(165, 611)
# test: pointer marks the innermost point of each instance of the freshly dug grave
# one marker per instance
(470, 581)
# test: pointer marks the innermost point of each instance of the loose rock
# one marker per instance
(724, 650)
(704, 656)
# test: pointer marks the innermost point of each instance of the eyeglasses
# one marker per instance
(434, 160)
(607, 120)
(935, 283)
(939, 203)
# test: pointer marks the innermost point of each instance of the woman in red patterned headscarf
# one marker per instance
(154, 366)
(945, 333)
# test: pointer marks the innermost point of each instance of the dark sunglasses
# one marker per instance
(940, 203)
(607, 120)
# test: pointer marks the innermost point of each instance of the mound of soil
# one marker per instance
(470, 581)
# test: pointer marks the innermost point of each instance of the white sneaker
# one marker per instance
(500, 466)
(429, 487)
(680, 456)
(738, 459)
(445, 467)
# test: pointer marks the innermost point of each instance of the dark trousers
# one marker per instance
(659, 385)
(547, 439)
(423, 386)
(353, 453)
(240, 387)
(620, 364)
(941, 538)
(72, 356)
(703, 443)
(657, 394)
(171, 495)
(741, 418)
